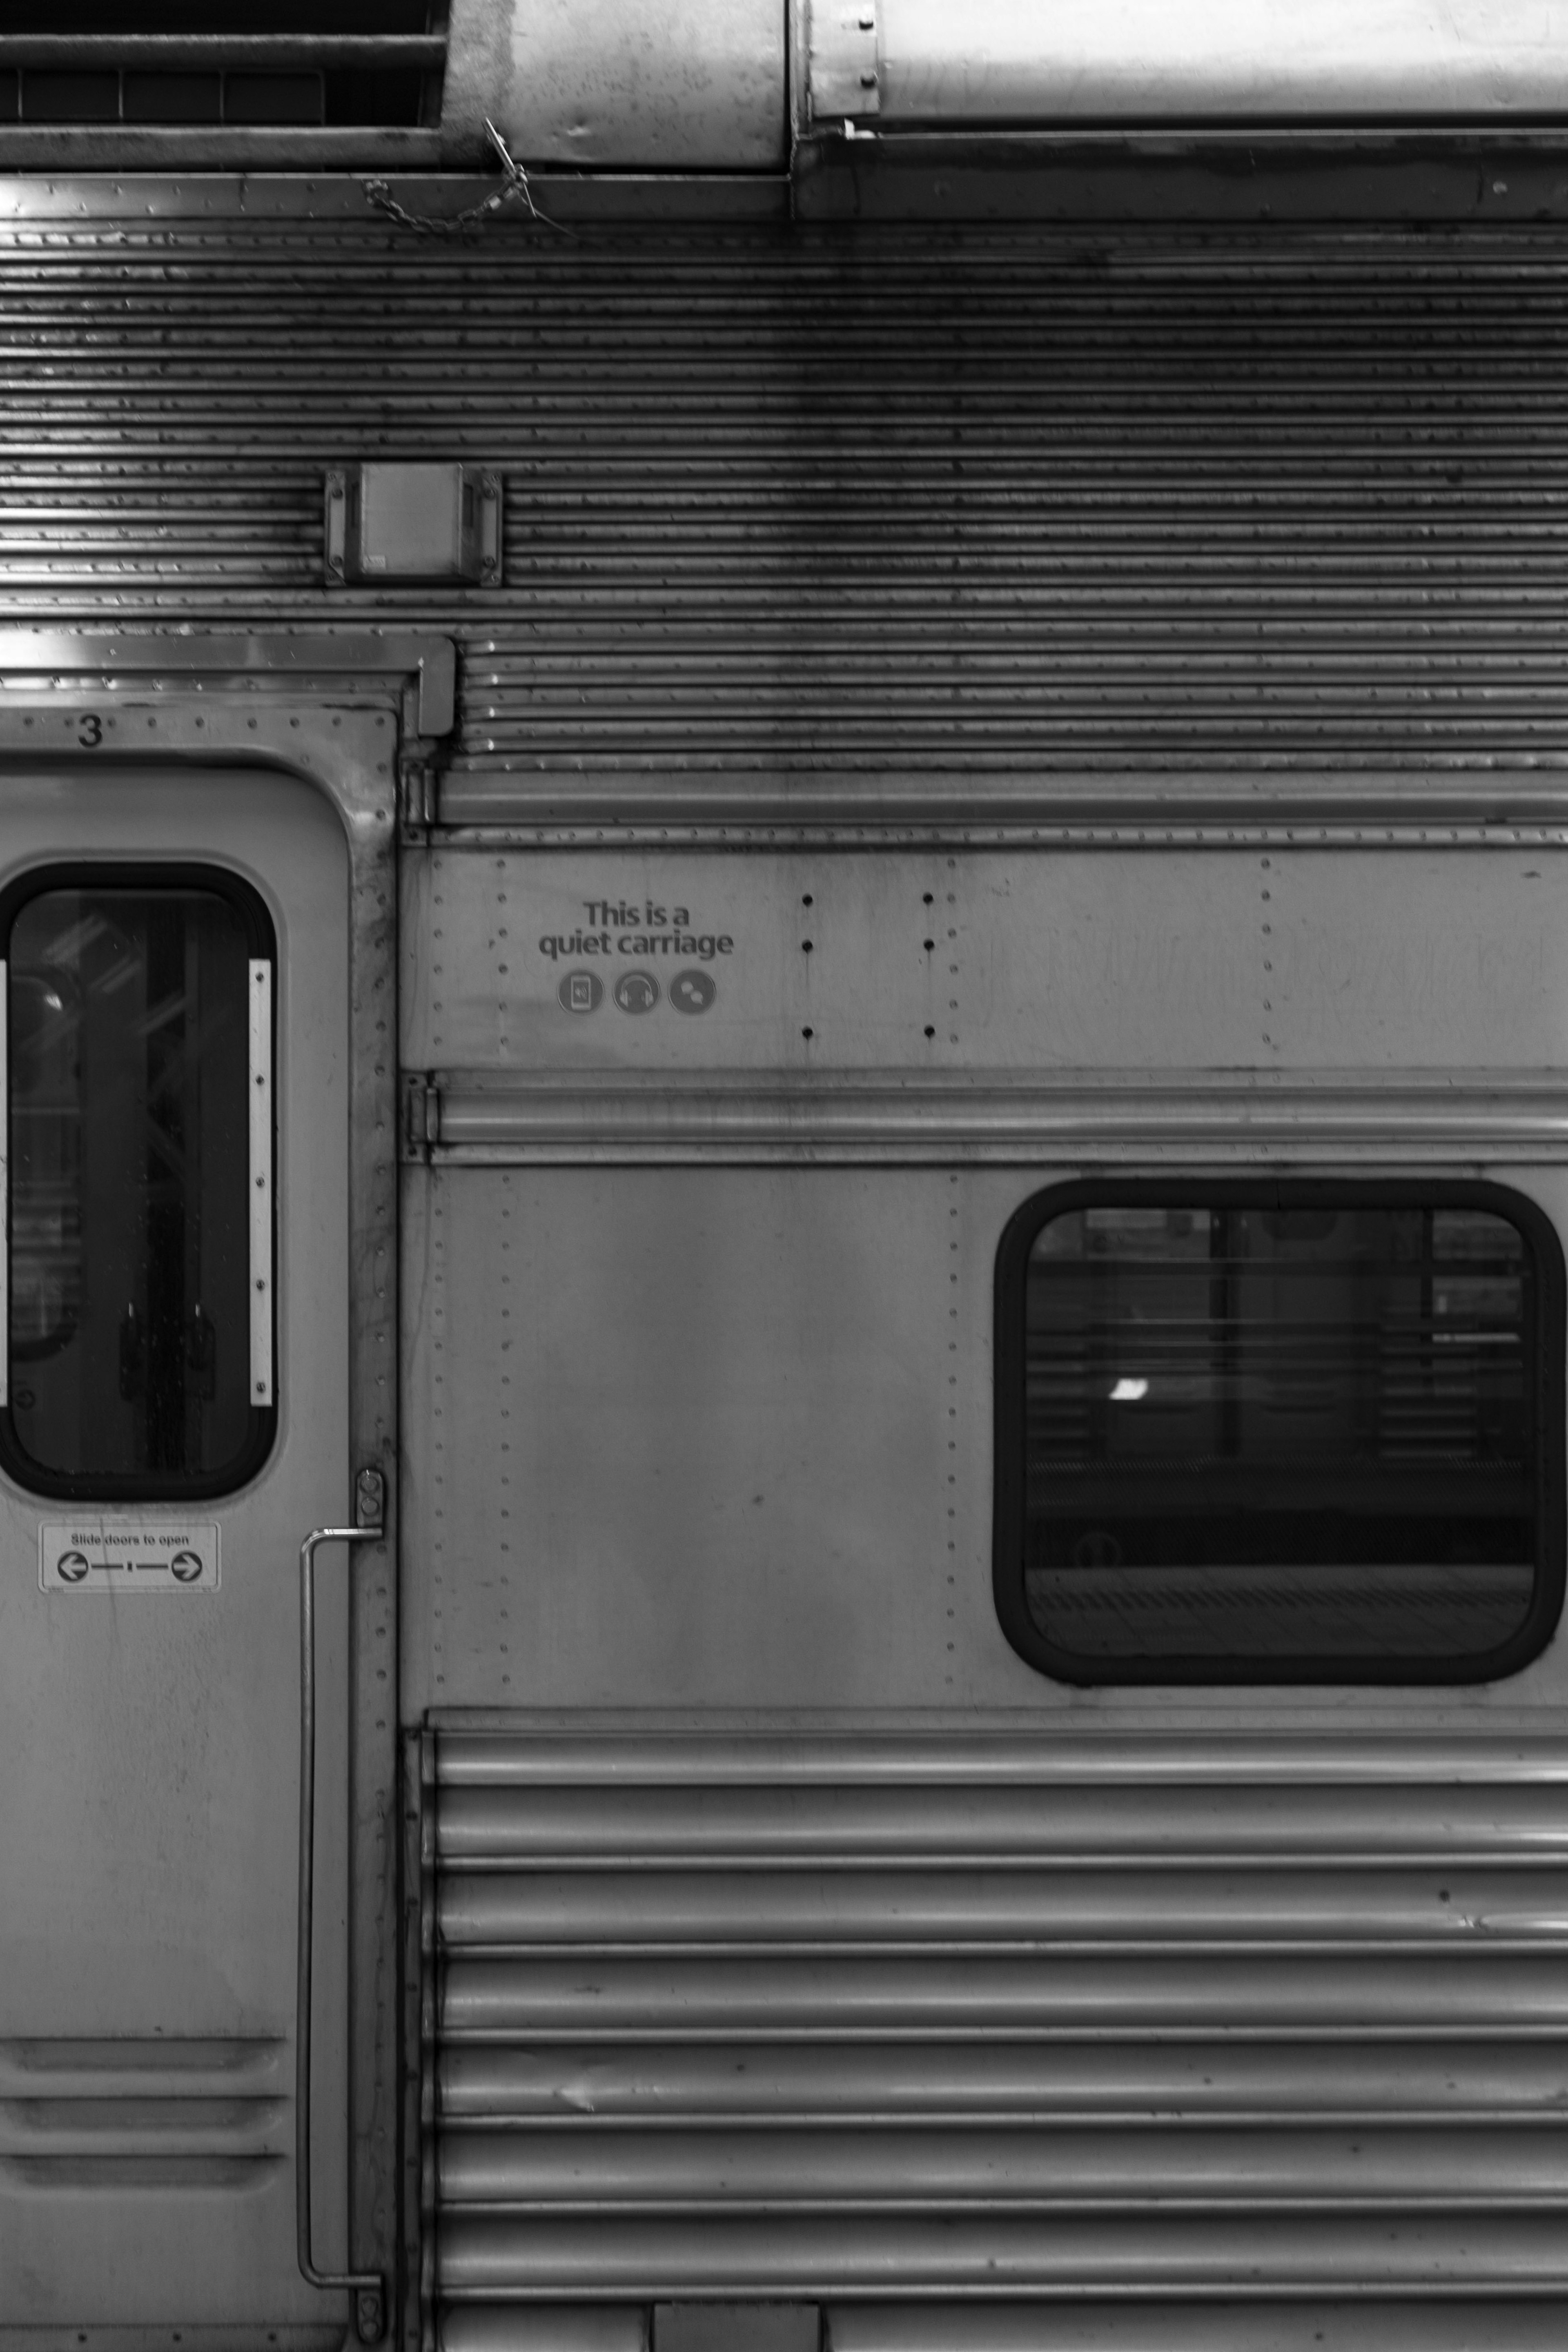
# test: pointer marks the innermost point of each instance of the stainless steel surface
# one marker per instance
(1284, 1995)
(1171, 962)
(260, 2336)
(545, 2327)
(988, 2171)
(259, 1171)
(794, 2255)
(1079, 178)
(842, 61)
(486, 1822)
(1001, 63)
(711, 2085)
(417, 522)
(368, 2288)
(325, 708)
(1236, 2324)
(1161, 507)
(320, 663)
(702, 2025)
(685, 85)
(1387, 995)
(156, 2110)
(578, 1754)
(475, 1118)
(737, 2327)
(1423, 808)
(719, 1436)
(146, 1844)
(898, 1910)
(1170, 500)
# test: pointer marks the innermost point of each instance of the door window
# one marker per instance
(140, 1310)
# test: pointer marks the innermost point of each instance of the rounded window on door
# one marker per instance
(139, 1179)
(1282, 1432)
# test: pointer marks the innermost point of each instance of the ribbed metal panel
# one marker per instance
(926, 501)
(949, 2021)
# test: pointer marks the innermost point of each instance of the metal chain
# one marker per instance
(453, 224)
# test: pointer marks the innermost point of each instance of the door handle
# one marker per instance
(368, 2288)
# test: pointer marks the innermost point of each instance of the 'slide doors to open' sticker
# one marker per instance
(150, 1555)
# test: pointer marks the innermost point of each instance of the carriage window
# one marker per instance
(1303, 1432)
(138, 1037)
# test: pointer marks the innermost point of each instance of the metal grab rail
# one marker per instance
(368, 2288)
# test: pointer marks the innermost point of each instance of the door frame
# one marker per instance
(358, 716)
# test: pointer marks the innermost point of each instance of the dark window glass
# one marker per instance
(132, 1285)
(1285, 1433)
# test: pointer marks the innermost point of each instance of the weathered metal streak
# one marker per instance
(561, 1828)
(1148, 2248)
(962, 502)
(1483, 1989)
(587, 2167)
(1061, 2081)
(995, 2016)
(597, 1761)
(957, 1908)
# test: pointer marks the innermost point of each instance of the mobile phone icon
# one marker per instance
(581, 991)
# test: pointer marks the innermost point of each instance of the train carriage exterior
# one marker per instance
(782, 1467)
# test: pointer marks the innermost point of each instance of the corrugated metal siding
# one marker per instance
(948, 2019)
(958, 501)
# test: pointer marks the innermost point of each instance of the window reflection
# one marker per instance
(1280, 1432)
(129, 1148)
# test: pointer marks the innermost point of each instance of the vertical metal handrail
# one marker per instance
(368, 2288)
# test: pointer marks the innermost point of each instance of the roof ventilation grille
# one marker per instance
(277, 65)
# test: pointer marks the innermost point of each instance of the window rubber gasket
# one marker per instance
(1322, 1667)
(115, 1487)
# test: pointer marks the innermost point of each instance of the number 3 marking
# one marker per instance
(91, 731)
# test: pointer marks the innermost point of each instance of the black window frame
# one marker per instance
(1284, 1193)
(115, 1487)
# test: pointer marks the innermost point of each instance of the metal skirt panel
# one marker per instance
(952, 501)
(1079, 2325)
(959, 2039)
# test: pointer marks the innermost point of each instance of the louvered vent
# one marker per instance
(1221, 2029)
(275, 65)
